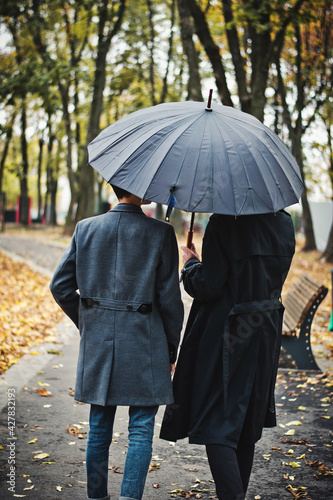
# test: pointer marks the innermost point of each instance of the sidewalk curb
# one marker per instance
(20, 374)
(28, 262)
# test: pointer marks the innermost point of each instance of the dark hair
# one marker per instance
(120, 193)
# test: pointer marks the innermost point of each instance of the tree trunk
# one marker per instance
(165, 79)
(39, 178)
(64, 92)
(328, 252)
(151, 46)
(86, 196)
(186, 28)
(9, 135)
(159, 212)
(260, 63)
(177, 221)
(24, 195)
(295, 133)
(50, 181)
(327, 255)
(237, 58)
(212, 51)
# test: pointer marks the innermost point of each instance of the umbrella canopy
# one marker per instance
(215, 159)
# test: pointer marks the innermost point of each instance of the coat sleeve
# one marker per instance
(64, 286)
(168, 294)
(206, 280)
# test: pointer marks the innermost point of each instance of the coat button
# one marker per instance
(129, 307)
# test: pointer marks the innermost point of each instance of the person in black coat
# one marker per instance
(226, 372)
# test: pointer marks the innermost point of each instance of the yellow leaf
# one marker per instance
(302, 408)
(29, 488)
(294, 422)
(295, 464)
(41, 455)
(44, 384)
(291, 432)
(59, 488)
(1, 447)
(34, 353)
(33, 441)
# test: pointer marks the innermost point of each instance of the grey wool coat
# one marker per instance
(118, 282)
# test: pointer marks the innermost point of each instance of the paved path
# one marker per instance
(42, 422)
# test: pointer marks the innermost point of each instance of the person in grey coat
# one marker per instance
(118, 282)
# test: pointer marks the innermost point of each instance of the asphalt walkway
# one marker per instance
(50, 432)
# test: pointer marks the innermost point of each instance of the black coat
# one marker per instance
(226, 372)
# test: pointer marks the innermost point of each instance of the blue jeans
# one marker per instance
(140, 435)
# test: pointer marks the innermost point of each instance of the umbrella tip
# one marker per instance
(209, 102)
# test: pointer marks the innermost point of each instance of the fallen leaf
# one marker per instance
(29, 488)
(33, 441)
(28, 313)
(295, 441)
(299, 492)
(44, 392)
(41, 455)
(118, 470)
(153, 467)
(59, 488)
(294, 422)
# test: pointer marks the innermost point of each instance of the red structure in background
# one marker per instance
(17, 213)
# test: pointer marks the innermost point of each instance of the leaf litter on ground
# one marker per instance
(28, 313)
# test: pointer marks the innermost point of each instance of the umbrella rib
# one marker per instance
(174, 184)
(196, 171)
(270, 170)
(228, 162)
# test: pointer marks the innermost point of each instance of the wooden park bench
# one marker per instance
(301, 302)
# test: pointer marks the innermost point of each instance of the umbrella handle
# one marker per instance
(190, 232)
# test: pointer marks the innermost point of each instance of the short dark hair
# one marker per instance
(120, 193)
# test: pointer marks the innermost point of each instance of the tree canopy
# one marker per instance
(71, 67)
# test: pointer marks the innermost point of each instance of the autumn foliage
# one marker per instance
(28, 313)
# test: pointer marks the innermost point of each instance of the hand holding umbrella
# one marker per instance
(189, 253)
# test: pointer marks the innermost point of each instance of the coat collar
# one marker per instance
(127, 207)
